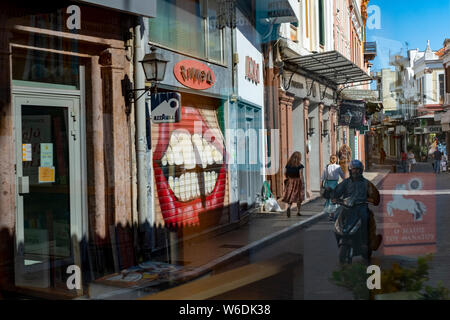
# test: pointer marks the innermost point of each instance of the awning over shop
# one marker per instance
(331, 67)
(427, 116)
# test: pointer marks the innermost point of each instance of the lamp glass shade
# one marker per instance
(150, 70)
(160, 70)
(154, 66)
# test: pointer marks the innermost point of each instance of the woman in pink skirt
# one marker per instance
(294, 191)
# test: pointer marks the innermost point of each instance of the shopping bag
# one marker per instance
(331, 207)
(271, 205)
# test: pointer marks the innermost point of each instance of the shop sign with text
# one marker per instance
(251, 70)
(194, 74)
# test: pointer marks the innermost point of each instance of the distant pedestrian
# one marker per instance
(411, 160)
(444, 163)
(294, 186)
(382, 155)
(403, 160)
(330, 179)
(437, 161)
(345, 156)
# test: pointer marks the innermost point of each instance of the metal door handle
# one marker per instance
(24, 185)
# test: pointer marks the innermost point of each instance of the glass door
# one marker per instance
(48, 190)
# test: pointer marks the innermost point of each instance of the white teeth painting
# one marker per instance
(187, 152)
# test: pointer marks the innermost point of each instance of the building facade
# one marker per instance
(67, 145)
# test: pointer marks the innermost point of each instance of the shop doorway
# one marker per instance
(249, 155)
(48, 189)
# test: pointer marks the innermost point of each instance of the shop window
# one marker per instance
(31, 67)
(188, 26)
(447, 73)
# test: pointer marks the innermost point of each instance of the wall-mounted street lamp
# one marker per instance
(310, 132)
(154, 66)
(325, 133)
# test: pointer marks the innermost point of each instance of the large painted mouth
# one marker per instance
(191, 165)
(189, 169)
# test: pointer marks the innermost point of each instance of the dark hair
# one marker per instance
(295, 160)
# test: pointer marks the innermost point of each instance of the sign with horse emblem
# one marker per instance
(409, 220)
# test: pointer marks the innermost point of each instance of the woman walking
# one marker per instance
(330, 179)
(345, 156)
(294, 190)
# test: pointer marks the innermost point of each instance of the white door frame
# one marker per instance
(74, 101)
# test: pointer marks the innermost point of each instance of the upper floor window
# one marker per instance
(321, 23)
(188, 26)
(447, 82)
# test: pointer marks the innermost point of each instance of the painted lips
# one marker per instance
(189, 169)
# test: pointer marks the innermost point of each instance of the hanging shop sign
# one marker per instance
(429, 129)
(194, 74)
(352, 113)
(363, 129)
(165, 107)
(434, 129)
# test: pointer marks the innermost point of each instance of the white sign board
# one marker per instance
(250, 61)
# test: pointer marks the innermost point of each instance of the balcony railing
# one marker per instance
(370, 50)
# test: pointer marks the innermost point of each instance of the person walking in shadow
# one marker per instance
(294, 186)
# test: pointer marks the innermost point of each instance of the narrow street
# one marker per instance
(310, 278)
(320, 250)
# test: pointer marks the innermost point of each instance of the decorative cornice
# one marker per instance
(284, 97)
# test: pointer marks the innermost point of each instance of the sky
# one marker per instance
(401, 21)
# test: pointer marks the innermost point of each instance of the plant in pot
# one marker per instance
(397, 283)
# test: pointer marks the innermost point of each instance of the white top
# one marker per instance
(334, 171)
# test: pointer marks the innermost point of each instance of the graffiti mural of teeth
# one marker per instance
(189, 168)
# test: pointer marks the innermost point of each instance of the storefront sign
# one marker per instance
(165, 107)
(434, 129)
(408, 202)
(194, 74)
(352, 113)
(251, 70)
